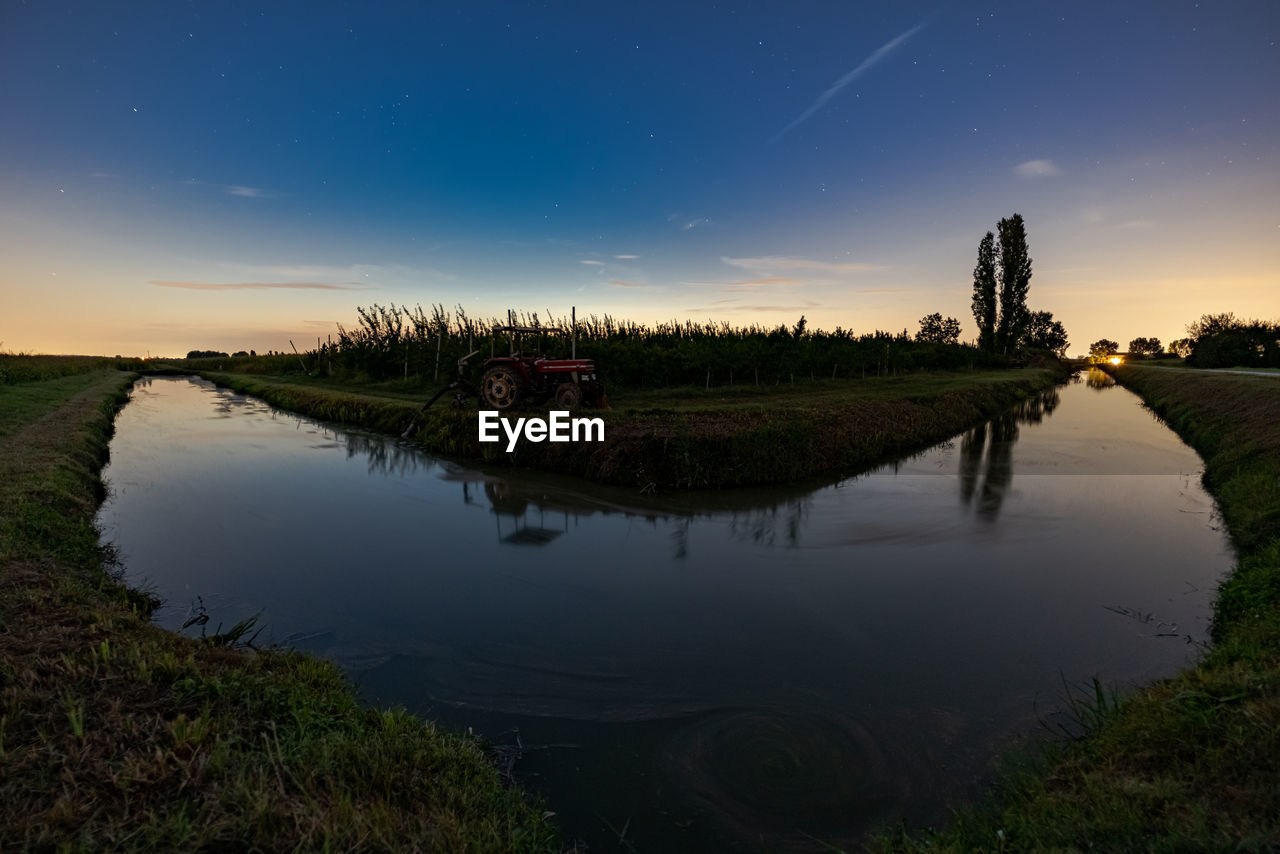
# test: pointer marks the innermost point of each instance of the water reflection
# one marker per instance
(1098, 379)
(383, 457)
(774, 669)
(1003, 432)
(779, 524)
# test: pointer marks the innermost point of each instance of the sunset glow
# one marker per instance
(214, 177)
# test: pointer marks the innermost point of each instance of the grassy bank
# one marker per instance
(694, 438)
(1189, 763)
(117, 735)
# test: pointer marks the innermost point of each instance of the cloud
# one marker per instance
(592, 263)
(723, 308)
(752, 285)
(623, 284)
(876, 56)
(1093, 216)
(244, 191)
(787, 274)
(626, 257)
(255, 286)
(784, 262)
(1036, 169)
(383, 275)
(1066, 271)
(687, 223)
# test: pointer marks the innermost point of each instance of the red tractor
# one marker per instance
(509, 380)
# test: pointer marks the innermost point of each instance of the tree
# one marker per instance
(984, 293)
(1015, 280)
(1044, 331)
(934, 327)
(1100, 350)
(1181, 347)
(798, 331)
(1224, 341)
(1146, 346)
(1212, 324)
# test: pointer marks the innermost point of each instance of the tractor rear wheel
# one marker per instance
(569, 395)
(500, 387)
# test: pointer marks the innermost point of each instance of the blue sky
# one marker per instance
(192, 175)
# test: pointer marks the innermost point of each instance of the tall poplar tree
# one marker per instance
(1015, 280)
(984, 293)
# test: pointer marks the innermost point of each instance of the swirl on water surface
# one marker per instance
(787, 770)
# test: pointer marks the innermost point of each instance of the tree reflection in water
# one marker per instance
(767, 525)
(1003, 433)
(1098, 379)
(527, 514)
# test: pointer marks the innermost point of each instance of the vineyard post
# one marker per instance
(299, 355)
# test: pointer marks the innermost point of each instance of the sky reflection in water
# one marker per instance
(779, 664)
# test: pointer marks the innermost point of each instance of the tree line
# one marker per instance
(1213, 341)
(413, 344)
(421, 346)
(396, 341)
(1226, 341)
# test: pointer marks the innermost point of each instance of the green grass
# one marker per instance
(689, 438)
(21, 368)
(118, 735)
(1182, 364)
(1190, 763)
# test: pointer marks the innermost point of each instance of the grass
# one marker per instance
(22, 368)
(1182, 364)
(689, 438)
(1190, 763)
(118, 735)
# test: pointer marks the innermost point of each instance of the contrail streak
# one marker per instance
(877, 55)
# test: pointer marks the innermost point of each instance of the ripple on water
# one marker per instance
(813, 772)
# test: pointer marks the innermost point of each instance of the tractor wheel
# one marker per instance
(569, 395)
(500, 388)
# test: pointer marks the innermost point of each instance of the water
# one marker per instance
(768, 669)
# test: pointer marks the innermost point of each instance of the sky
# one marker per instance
(227, 175)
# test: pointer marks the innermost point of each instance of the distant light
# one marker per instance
(1115, 360)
